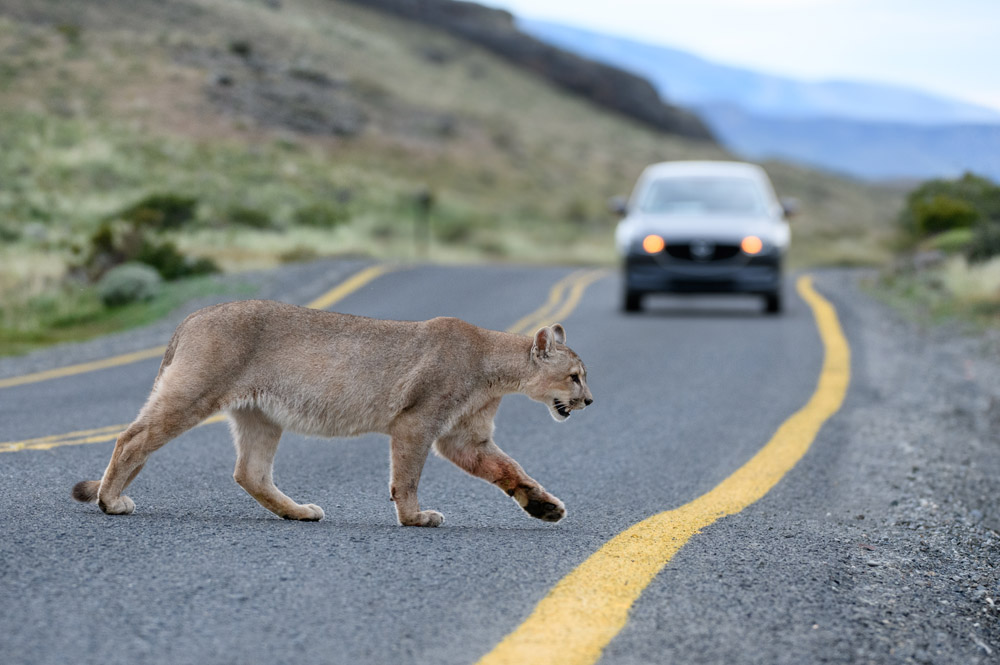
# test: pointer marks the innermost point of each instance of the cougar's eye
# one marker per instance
(575, 378)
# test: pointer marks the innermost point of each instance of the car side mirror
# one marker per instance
(618, 205)
(790, 206)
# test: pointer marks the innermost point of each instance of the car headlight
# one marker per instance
(752, 245)
(653, 244)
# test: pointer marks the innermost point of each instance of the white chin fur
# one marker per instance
(556, 416)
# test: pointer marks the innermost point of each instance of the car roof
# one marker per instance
(703, 168)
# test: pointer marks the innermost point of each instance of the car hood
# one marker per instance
(717, 228)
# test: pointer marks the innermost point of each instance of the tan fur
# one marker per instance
(273, 366)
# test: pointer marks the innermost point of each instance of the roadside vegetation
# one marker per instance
(222, 135)
(949, 266)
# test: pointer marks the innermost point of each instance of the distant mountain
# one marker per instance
(864, 129)
(871, 150)
(689, 80)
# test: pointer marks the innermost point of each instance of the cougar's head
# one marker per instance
(559, 379)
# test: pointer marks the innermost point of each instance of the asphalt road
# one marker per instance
(827, 567)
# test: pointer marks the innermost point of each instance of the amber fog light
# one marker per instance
(752, 245)
(653, 244)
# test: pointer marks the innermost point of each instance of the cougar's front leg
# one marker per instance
(408, 454)
(483, 458)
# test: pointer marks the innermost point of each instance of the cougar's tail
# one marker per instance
(85, 491)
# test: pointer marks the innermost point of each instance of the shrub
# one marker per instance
(250, 217)
(943, 213)
(985, 242)
(9, 234)
(453, 229)
(951, 242)
(241, 47)
(160, 212)
(170, 263)
(128, 283)
(115, 244)
(937, 206)
(322, 215)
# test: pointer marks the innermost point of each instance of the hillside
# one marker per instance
(606, 86)
(308, 128)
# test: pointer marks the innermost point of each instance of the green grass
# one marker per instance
(73, 314)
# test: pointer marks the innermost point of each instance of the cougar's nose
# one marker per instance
(588, 401)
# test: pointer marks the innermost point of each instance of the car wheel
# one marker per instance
(772, 303)
(632, 301)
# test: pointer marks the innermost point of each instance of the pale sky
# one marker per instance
(951, 47)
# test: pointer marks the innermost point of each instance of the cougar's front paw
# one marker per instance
(423, 518)
(540, 504)
(547, 511)
(120, 506)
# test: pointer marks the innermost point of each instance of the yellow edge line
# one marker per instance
(578, 618)
(99, 435)
(330, 297)
(349, 286)
(82, 368)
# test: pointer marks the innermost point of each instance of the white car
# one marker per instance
(703, 227)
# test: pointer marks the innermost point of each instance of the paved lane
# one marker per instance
(201, 573)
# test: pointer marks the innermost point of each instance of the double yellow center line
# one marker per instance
(563, 298)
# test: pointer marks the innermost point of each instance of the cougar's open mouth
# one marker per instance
(561, 408)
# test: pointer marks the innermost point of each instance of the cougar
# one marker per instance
(271, 366)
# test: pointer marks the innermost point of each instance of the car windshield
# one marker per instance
(703, 196)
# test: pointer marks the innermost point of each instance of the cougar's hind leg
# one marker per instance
(256, 438)
(161, 420)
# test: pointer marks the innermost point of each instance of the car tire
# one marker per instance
(772, 303)
(632, 302)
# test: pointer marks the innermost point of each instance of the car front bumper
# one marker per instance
(647, 274)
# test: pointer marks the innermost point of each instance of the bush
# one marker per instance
(128, 283)
(322, 215)
(950, 242)
(938, 206)
(985, 242)
(170, 263)
(943, 213)
(9, 234)
(160, 212)
(116, 244)
(250, 217)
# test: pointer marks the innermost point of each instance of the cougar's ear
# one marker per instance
(559, 332)
(544, 343)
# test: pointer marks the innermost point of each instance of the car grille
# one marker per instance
(719, 252)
